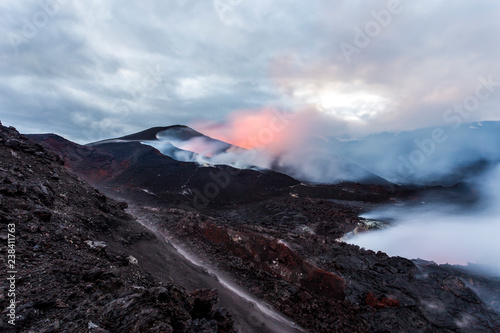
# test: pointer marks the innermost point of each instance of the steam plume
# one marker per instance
(443, 233)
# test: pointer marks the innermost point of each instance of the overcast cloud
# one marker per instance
(95, 69)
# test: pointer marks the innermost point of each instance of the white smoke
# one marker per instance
(307, 147)
(443, 233)
(314, 148)
(204, 151)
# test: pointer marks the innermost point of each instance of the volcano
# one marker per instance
(126, 165)
(176, 136)
(270, 244)
(182, 143)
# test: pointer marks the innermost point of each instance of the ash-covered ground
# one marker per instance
(275, 240)
(82, 264)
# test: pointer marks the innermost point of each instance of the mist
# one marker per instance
(443, 233)
(267, 139)
(300, 143)
(319, 148)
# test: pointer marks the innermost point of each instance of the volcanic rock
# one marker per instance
(66, 284)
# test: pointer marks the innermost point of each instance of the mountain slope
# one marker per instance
(139, 170)
(282, 244)
(185, 144)
(78, 259)
(178, 135)
(180, 132)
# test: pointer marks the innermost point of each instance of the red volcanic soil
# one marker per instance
(381, 303)
(96, 166)
(275, 258)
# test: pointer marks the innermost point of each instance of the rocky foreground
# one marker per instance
(76, 256)
(287, 252)
(84, 264)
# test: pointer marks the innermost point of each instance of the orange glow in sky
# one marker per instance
(250, 129)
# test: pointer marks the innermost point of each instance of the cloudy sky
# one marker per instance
(96, 69)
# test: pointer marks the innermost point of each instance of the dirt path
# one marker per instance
(184, 268)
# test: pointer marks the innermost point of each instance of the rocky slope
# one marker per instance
(280, 240)
(142, 171)
(78, 257)
(287, 252)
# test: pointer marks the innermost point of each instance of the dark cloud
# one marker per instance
(96, 69)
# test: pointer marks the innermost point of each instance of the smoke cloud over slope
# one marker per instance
(298, 144)
(314, 148)
(319, 148)
(443, 233)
